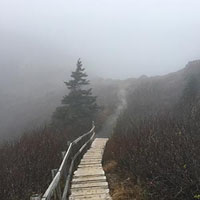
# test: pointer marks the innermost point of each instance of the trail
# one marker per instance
(89, 181)
(108, 126)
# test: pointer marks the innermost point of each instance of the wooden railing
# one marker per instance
(60, 185)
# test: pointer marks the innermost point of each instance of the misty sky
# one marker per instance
(114, 38)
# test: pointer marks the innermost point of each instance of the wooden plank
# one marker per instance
(89, 181)
(87, 192)
(92, 197)
(90, 185)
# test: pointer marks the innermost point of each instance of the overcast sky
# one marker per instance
(114, 38)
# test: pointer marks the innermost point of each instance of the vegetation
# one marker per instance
(26, 163)
(79, 107)
(153, 154)
(155, 145)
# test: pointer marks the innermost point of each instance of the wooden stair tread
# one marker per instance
(89, 181)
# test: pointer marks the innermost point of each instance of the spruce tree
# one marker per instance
(79, 106)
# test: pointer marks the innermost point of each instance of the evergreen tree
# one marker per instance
(79, 106)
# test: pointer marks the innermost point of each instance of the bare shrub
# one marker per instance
(166, 164)
(25, 164)
(156, 144)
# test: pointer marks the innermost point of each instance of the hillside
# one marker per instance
(35, 100)
(153, 146)
(154, 152)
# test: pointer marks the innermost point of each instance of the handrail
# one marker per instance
(63, 175)
(82, 136)
(65, 192)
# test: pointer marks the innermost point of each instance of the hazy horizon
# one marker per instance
(115, 39)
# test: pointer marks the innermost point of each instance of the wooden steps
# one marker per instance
(89, 181)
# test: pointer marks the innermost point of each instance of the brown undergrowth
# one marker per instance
(160, 163)
(26, 164)
(120, 184)
(155, 146)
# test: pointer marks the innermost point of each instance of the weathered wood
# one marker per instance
(57, 192)
(35, 197)
(89, 181)
(52, 187)
(63, 165)
(84, 135)
(67, 185)
(63, 154)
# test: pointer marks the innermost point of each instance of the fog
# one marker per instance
(40, 41)
(135, 37)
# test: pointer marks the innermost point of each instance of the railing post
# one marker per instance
(53, 172)
(64, 170)
(92, 123)
(35, 197)
(63, 154)
(58, 190)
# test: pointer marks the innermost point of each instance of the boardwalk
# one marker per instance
(89, 181)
